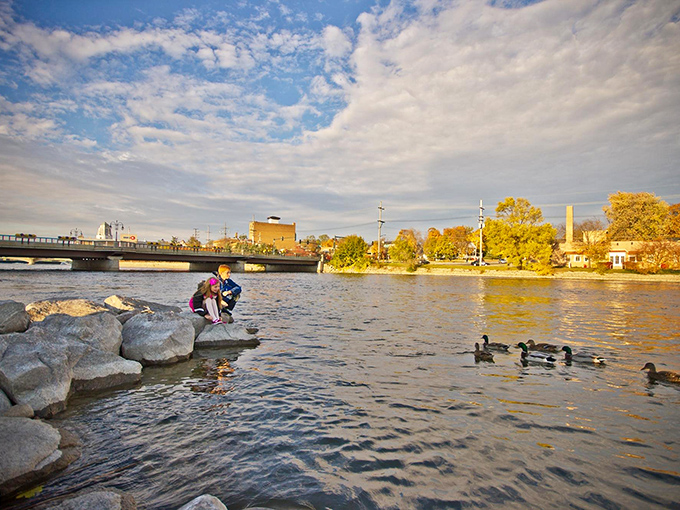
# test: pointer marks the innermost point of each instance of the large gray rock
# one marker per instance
(226, 335)
(62, 354)
(120, 304)
(31, 451)
(98, 370)
(197, 321)
(13, 317)
(74, 307)
(36, 369)
(205, 502)
(158, 338)
(100, 330)
(107, 499)
(5, 402)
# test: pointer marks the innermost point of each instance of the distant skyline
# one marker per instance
(170, 116)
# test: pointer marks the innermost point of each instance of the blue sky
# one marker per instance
(172, 116)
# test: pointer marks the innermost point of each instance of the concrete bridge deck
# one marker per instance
(105, 255)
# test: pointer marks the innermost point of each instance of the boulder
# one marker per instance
(205, 502)
(61, 354)
(35, 369)
(126, 316)
(5, 403)
(73, 307)
(120, 304)
(99, 330)
(19, 411)
(158, 338)
(198, 321)
(31, 451)
(98, 370)
(226, 335)
(13, 317)
(101, 499)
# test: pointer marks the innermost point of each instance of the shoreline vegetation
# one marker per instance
(502, 271)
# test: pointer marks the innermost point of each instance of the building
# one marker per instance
(620, 252)
(281, 235)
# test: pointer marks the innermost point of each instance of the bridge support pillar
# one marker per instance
(95, 265)
(203, 267)
(289, 268)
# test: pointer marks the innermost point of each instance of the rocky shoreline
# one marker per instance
(52, 350)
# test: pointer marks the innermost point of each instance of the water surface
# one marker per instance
(365, 395)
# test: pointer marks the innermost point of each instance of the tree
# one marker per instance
(518, 233)
(350, 252)
(657, 255)
(595, 240)
(433, 246)
(459, 238)
(407, 247)
(193, 242)
(636, 216)
(672, 228)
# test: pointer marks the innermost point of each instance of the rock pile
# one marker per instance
(50, 350)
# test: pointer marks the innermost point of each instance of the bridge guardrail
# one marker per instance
(143, 246)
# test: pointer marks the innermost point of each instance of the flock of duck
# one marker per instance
(544, 354)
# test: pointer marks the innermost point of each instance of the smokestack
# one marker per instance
(570, 224)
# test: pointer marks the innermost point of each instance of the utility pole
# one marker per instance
(196, 233)
(224, 231)
(380, 224)
(117, 224)
(481, 227)
(207, 239)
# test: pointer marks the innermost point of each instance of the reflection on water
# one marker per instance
(365, 394)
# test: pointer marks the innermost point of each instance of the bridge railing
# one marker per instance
(142, 246)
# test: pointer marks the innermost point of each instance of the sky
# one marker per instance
(172, 117)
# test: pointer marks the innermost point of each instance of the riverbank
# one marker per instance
(503, 272)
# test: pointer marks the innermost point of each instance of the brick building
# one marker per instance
(281, 235)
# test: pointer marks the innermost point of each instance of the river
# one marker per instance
(364, 394)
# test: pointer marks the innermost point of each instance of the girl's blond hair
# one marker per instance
(206, 291)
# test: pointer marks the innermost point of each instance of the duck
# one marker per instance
(540, 358)
(482, 355)
(533, 346)
(494, 346)
(582, 357)
(663, 375)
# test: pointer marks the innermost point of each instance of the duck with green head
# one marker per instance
(494, 346)
(538, 358)
(582, 357)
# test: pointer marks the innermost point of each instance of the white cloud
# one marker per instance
(335, 42)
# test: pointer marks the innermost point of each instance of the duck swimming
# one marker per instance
(494, 346)
(663, 375)
(533, 346)
(482, 355)
(582, 357)
(540, 358)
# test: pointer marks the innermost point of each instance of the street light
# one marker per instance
(117, 224)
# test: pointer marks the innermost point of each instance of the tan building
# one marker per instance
(281, 235)
(620, 252)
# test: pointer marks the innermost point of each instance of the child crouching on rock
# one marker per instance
(207, 301)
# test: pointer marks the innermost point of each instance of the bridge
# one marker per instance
(105, 255)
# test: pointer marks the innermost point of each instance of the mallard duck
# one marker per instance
(533, 346)
(482, 355)
(494, 346)
(664, 375)
(540, 358)
(582, 357)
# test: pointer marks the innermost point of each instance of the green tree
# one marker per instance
(194, 242)
(433, 245)
(407, 247)
(351, 252)
(518, 233)
(636, 216)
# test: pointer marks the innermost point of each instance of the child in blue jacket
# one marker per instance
(229, 290)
